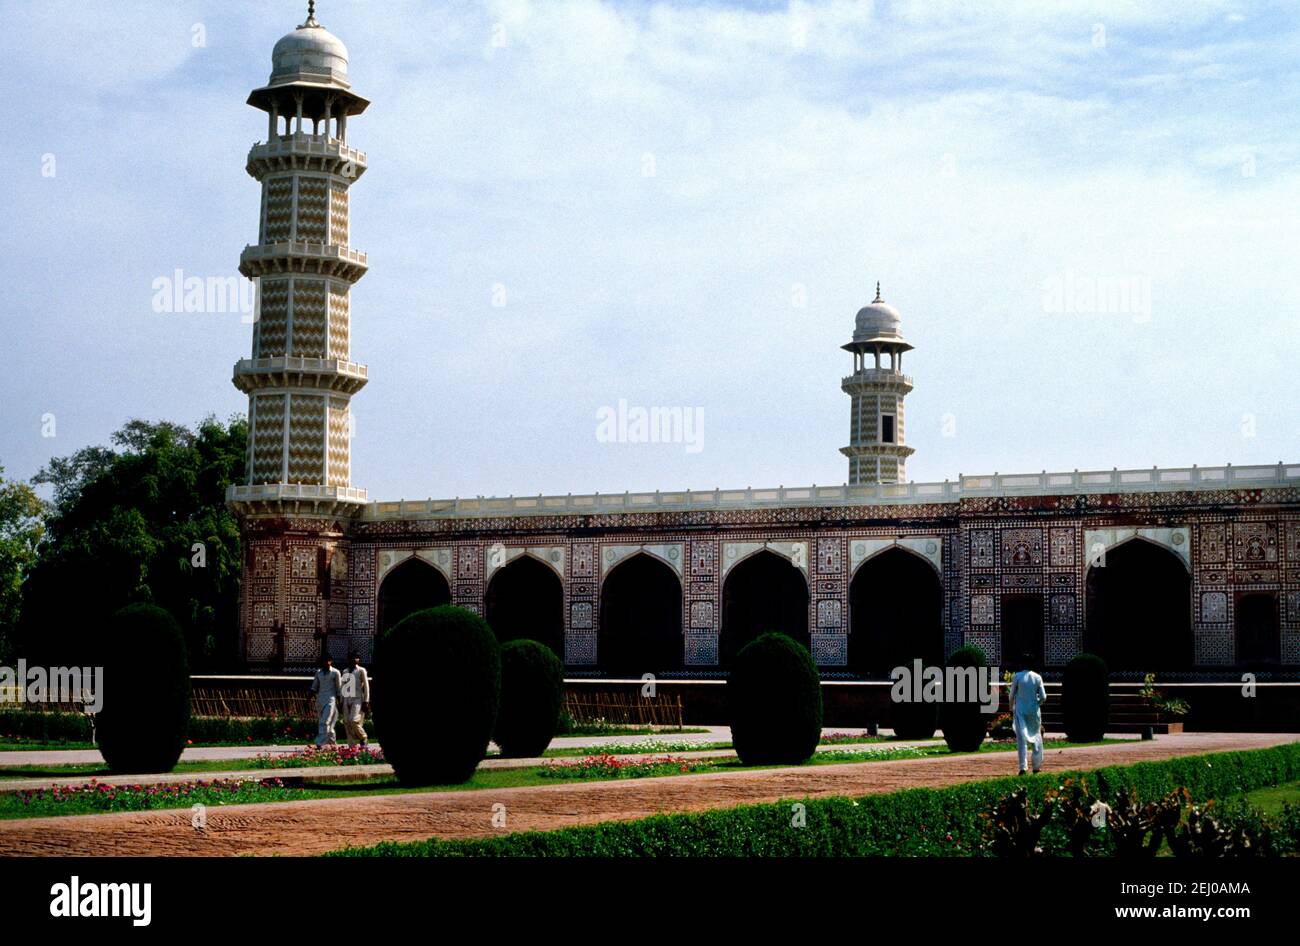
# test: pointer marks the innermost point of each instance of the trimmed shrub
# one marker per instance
(965, 724)
(441, 685)
(145, 716)
(912, 719)
(532, 694)
(913, 822)
(1085, 698)
(775, 699)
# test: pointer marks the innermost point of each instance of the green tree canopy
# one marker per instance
(147, 522)
(21, 528)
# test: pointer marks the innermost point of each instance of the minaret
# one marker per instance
(300, 378)
(877, 387)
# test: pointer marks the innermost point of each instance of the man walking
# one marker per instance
(1026, 696)
(356, 700)
(328, 687)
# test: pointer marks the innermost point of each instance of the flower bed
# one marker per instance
(313, 757)
(880, 753)
(651, 745)
(96, 796)
(606, 766)
(841, 738)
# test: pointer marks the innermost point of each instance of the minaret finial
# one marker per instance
(311, 15)
(877, 299)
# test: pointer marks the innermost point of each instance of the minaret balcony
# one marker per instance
(283, 499)
(291, 371)
(900, 451)
(877, 379)
(326, 259)
(301, 152)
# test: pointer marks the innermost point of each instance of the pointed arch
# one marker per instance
(906, 548)
(1138, 614)
(640, 618)
(895, 613)
(525, 599)
(409, 586)
(796, 553)
(762, 592)
(1105, 541)
(543, 554)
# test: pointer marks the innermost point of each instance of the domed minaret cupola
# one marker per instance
(877, 387)
(301, 378)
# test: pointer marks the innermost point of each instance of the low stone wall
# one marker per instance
(1215, 707)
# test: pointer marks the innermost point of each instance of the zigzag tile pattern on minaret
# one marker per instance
(266, 417)
(300, 379)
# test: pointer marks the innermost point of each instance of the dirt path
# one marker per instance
(312, 827)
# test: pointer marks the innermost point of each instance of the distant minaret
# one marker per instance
(301, 378)
(877, 387)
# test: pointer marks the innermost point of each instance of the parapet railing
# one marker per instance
(309, 145)
(302, 248)
(300, 363)
(882, 375)
(295, 491)
(1156, 479)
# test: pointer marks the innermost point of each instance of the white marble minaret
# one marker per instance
(876, 450)
(301, 377)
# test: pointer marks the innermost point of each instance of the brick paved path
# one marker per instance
(312, 827)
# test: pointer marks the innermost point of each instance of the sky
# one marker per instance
(1086, 214)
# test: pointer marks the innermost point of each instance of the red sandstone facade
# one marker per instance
(320, 583)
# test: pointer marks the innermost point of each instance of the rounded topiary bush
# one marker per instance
(532, 695)
(965, 724)
(910, 718)
(775, 699)
(145, 714)
(1085, 698)
(437, 689)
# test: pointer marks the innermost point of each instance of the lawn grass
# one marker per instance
(1271, 800)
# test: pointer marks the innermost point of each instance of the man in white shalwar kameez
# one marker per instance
(356, 700)
(1026, 696)
(328, 687)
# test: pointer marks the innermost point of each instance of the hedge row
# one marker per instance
(47, 727)
(914, 822)
(74, 727)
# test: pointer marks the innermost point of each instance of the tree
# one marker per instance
(21, 528)
(146, 522)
